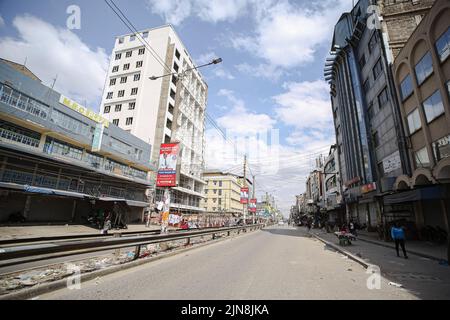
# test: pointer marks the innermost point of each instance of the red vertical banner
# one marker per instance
(244, 195)
(252, 205)
(167, 168)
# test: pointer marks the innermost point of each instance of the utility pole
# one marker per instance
(245, 184)
(253, 197)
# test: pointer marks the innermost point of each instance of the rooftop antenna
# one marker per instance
(54, 80)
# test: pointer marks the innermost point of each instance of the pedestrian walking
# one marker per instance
(352, 228)
(398, 235)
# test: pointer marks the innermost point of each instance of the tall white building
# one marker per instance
(162, 110)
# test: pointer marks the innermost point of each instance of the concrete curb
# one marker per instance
(344, 252)
(408, 251)
(46, 287)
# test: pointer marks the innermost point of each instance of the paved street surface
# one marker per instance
(425, 278)
(275, 263)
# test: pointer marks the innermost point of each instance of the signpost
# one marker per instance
(167, 177)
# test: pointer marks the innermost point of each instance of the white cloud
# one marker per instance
(288, 35)
(261, 71)
(52, 51)
(239, 120)
(173, 11)
(2, 21)
(305, 105)
(223, 73)
(176, 11)
(206, 57)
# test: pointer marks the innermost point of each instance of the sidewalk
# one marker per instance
(20, 232)
(421, 248)
(426, 278)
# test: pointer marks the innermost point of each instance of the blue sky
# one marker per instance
(270, 79)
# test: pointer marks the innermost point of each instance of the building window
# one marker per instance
(443, 45)
(121, 40)
(433, 106)
(414, 123)
(112, 82)
(175, 67)
(71, 124)
(377, 69)
(129, 121)
(53, 146)
(134, 91)
(126, 66)
(383, 98)
(423, 68)
(131, 105)
(115, 69)
(145, 34)
(220, 184)
(121, 93)
(441, 148)
(132, 37)
(421, 158)
(141, 51)
(170, 108)
(177, 54)
(109, 95)
(118, 108)
(118, 56)
(107, 108)
(362, 61)
(123, 80)
(137, 77)
(172, 94)
(366, 85)
(372, 42)
(116, 122)
(138, 64)
(370, 111)
(128, 54)
(375, 139)
(406, 88)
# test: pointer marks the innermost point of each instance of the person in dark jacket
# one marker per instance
(398, 235)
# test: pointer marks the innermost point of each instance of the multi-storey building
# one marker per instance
(372, 149)
(422, 76)
(59, 160)
(222, 193)
(160, 109)
(332, 187)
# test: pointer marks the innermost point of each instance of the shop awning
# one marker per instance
(56, 192)
(131, 203)
(428, 193)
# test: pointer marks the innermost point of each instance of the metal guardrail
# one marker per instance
(76, 247)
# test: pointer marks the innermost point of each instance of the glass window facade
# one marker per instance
(383, 97)
(377, 69)
(53, 146)
(443, 45)
(17, 100)
(433, 106)
(421, 158)
(18, 134)
(73, 125)
(424, 68)
(406, 87)
(414, 123)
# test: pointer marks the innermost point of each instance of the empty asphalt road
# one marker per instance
(274, 263)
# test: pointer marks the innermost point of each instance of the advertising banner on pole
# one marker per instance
(252, 205)
(244, 195)
(167, 168)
